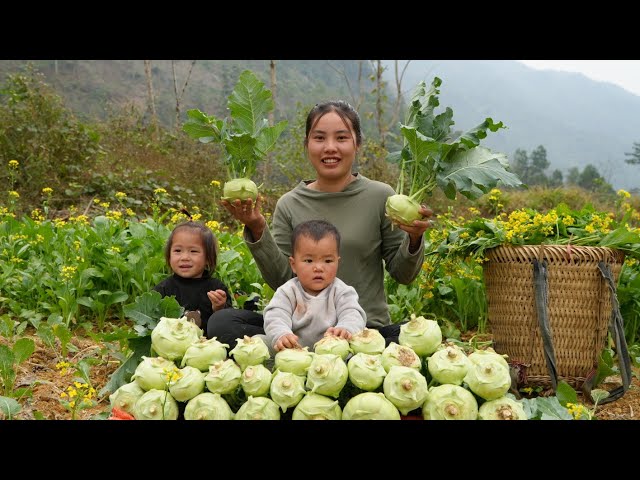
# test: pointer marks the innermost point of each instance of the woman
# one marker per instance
(350, 201)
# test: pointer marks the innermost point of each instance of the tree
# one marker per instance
(380, 97)
(590, 179)
(556, 180)
(152, 101)
(573, 176)
(175, 88)
(357, 95)
(531, 169)
(635, 155)
(274, 84)
(520, 164)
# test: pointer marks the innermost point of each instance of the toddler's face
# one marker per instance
(315, 263)
(188, 257)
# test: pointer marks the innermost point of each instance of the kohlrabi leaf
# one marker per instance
(243, 159)
(474, 172)
(249, 103)
(203, 127)
(419, 145)
(430, 157)
(268, 136)
(246, 136)
(472, 137)
(423, 102)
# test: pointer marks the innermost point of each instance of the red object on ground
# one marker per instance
(117, 414)
(411, 417)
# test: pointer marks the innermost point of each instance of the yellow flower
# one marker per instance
(14, 194)
(13, 164)
(120, 195)
(158, 191)
(68, 272)
(623, 194)
(215, 183)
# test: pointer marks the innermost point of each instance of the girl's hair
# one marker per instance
(345, 111)
(316, 230)
(209, 241)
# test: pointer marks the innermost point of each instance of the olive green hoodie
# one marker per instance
(367, 239)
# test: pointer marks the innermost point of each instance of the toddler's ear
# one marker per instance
(292, 263)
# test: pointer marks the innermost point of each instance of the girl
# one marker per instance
(191, 253)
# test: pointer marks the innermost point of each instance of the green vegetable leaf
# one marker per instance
(246, 137)
(566, 394)
(472, 137)
(619, 237)
(545, 408)
(242, 157)
(141, 346)
(268, 136)
(23, 348)
(9, 407)
(474, 173)
(149, 307)
(249, 103)
(202, 127)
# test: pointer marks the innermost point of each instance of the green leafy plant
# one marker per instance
(559, 226)
(10, 358)
(145, 312)
(433, 156)
(245, 138)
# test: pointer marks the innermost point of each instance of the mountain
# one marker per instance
(579, 121)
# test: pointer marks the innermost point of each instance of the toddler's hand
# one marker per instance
(218, 299)
(338, 332)
(288, 340)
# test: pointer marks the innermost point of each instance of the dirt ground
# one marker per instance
(40, 369)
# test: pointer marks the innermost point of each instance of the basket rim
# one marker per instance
(555, 252)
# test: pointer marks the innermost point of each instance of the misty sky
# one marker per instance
(624, 73)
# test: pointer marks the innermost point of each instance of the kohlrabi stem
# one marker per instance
(416, 195)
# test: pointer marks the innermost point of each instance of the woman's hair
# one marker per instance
(345, 111)
(316, 230)
(209, 241)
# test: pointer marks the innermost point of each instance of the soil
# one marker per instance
(40, 372)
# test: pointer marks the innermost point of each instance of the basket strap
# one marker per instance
(616, 328)
(540, 283)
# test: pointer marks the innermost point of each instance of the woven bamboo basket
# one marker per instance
(579, 307)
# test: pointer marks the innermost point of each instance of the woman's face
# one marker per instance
(332, 147)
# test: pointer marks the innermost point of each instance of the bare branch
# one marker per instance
(152, 102)
(175, 88)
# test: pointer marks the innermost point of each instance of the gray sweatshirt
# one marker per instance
(292, 310)
(370, 243)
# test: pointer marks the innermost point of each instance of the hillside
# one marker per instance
(578, 121)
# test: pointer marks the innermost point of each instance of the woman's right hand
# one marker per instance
(248, 213)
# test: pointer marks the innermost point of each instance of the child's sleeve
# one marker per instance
(351, 316)
(278, 316)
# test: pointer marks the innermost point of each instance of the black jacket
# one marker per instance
(191, 293)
